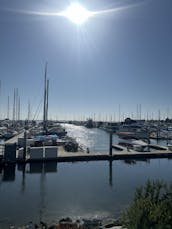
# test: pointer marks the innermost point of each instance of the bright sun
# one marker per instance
(77, 13)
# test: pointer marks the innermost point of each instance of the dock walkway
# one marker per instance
(116, 155)
(15, 138)
(124, 154)
(120, 153)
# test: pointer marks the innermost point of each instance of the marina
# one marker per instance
(59, 154)
(93, 175)
(85, 114)
(31, 141)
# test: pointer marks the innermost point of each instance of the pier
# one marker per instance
(15, 138)
(116, 155)
(124, 154)
(58, 153)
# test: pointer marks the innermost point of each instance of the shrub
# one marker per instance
(151, 207)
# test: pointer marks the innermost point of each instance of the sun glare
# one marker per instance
(77, 13)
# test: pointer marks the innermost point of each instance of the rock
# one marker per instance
(65, 220)
(43, 225)
(53, 227)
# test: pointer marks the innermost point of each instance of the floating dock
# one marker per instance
(124, 154)
(15, 138)
(119, 153)
(116, 155)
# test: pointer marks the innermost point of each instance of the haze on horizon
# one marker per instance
(123, 57)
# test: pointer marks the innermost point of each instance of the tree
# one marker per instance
(151, 207)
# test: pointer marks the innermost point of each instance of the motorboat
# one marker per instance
(135, 144)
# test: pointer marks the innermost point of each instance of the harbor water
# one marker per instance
(95, 139)
(50, 191)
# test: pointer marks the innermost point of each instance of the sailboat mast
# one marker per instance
(8, 107)
(14, 104)
(45, 98)
(0, 102)
(19, 108)
(28, 117)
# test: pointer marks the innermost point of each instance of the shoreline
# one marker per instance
(69, 223)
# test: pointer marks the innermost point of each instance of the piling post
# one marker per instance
(110, 143)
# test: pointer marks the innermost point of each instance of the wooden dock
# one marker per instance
(116, 155)
(124, 154)
(15, 138)
(119, 153)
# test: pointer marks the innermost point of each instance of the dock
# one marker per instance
(124, 154)
(118, 153)
(15, 138)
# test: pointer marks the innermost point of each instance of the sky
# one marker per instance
(118, 59)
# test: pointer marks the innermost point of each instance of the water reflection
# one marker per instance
(9, 173)
(36, 168)
(51, 191)
(80, 189)
(133, 162)
(42, 205)
(50, 167)
(95, 139)
(110, 173)
(9, 170)
(47, 167)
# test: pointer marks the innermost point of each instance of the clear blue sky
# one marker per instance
(123, 57)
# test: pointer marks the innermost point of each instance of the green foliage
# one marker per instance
(151, 207)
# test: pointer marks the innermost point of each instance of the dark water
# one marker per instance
(51, 191)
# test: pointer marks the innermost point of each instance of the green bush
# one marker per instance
(151, 207)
